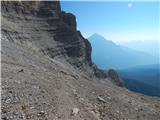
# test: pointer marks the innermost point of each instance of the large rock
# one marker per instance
(114, 76)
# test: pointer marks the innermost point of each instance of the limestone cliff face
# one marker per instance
(36, 8)
(51, 31)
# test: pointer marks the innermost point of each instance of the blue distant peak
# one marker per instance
(97, 36)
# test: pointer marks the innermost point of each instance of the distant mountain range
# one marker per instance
(149, 46)
(106, 54)
(139, 70)
(144, 79)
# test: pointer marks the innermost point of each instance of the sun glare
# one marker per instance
(130, 5)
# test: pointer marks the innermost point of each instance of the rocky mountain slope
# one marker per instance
(48, 74)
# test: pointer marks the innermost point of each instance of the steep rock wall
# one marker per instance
(42, 26)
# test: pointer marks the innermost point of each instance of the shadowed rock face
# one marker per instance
(38, 8)
(114, 76)
(64, 43)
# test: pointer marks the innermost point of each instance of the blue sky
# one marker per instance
(117, 21)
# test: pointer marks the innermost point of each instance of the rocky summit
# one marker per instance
(48, 74)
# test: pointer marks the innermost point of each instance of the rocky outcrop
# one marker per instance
(114, 76)
(64, 43)
(69, 19)
(36, 8)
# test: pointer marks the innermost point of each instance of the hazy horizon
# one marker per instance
(127, 41)
(116, 21)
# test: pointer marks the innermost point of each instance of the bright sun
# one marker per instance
(130, 5)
